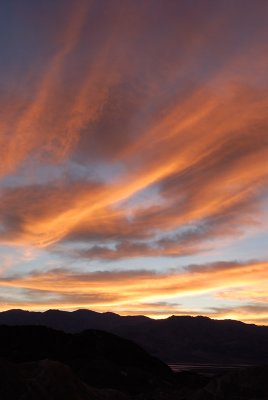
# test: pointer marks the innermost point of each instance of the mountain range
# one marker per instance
(175, 339)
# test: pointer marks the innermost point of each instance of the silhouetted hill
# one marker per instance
(99, 359)
(39, 363)
(175, 339)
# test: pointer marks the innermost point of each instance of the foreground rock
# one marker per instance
(244, 384)
(47, 380)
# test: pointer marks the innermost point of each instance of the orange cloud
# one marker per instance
(129, 291)
(125, 103)
(32, 127)
(194, 143)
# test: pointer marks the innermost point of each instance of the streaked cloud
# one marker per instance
(132, 130)
(148, 291)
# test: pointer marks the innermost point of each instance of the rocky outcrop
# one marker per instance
(47, 380)
(242, 384)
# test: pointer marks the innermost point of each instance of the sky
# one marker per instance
(134, 157)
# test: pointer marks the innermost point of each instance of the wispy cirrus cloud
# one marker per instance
(134, 130)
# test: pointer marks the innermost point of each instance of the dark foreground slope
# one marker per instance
(38, 363)
(98, 358)
(242, 384)
(175, 339)
(47, 380)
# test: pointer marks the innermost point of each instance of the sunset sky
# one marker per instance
(134, 157)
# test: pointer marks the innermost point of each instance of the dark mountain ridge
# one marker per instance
(175, 339)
